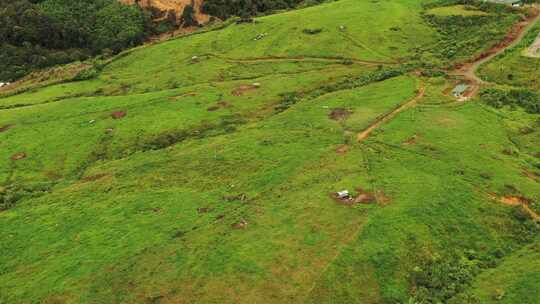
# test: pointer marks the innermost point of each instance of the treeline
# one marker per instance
(40, 33)
(224, 9)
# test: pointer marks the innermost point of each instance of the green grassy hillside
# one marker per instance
(203, 169)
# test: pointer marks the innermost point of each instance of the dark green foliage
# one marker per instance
(312, 31)
(117, 27)
(288, 99)
(227, 124)
(86, 74)
(12, 194)
(188, 16)
(226, 8)
(528, 100)
(38, 34)
(437, 279)
(461, 37)
(350, 83)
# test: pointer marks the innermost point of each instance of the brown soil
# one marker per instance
(382, 198)
(95, 177)
(411, 141)
(532, 175)
(118, 114)
(513, 200)
(343, 149)
(363, 197)
(5, 128)
(242, 224)
(18, 156)
(339, 114)
(517, 200)
(241, 90)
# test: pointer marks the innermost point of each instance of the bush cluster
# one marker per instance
(528, 100)
(225, 9)
(11, 194)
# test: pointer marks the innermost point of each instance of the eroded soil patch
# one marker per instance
(411, 141)
(514, 200)
(339, 114)
(118, 114)
(94, 177)
(243, 89)
(18, 156)
(5, 128)
(517, 200)
(343, 149)
(362, 197)
(242, 224)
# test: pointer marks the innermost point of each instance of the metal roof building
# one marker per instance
(459, 90)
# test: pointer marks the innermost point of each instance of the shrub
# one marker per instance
(86, 74)
(312, 31)
(528, 100)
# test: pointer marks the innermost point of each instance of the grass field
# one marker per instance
(202, 170)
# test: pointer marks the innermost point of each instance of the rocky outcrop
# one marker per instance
(171, 9)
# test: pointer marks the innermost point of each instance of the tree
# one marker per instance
(188, 16)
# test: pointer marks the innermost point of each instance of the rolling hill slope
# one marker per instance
(204, 169)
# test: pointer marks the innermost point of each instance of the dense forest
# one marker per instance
(226, 8)
(40, 33)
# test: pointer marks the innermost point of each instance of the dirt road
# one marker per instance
(516, 34)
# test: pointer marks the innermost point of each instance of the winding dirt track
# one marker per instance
(516, 34)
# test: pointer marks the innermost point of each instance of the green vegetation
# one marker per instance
(529, 100)
(203, 169)
(462, 36)
(513, 67)
(455, 10)
(38, 34)
(227, 8)
(512, 281)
